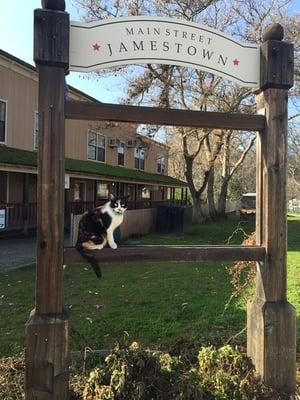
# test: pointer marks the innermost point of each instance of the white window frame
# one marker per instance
(84, 192)
(159, 158)
(144, 158)
(6, 113)
(146, 194)
(36, 131)
(119, 165)
(139, 149)
(106, 190)
(91, 131)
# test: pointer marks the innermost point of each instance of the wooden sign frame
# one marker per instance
(271, 320)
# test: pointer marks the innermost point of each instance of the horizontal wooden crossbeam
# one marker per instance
(169, 253)
(84, 110)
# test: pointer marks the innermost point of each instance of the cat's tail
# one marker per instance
(90, 258)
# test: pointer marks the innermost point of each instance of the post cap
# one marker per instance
(273, 32)
(58, 5)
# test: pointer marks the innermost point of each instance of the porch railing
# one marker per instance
(133, 205)
(22, 217)
(19, 216)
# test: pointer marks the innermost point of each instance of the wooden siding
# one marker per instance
(19, 87)
(15, 191)
(77, 140)
(3, 187)
(21, 94)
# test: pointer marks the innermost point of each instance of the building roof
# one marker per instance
(12, 156)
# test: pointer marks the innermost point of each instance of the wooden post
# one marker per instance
(173, 194)
(47, 329)
(25, 209)
(271, 320)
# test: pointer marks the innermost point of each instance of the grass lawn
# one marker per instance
(158, 304)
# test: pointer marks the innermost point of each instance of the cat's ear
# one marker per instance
(111, 197)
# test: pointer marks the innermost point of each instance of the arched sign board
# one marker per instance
(146, 40)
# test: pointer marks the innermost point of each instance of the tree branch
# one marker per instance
(240, 161)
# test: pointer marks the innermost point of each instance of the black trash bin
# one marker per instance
(170, 219)
(163, 219)
(176, 219)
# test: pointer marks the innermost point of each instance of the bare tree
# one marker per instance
(294, 160)
(220, 152)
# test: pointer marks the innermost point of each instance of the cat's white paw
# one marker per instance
(113, 245)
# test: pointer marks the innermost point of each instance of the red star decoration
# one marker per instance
(96, 47)
(236, 61)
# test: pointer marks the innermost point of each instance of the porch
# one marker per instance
(87, 184)
(20, 218)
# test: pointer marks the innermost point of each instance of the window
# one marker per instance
(136, 158)
(36, 131)
(3, 118)
(102, 190)
(142, 159)
(146, 195)
(121, 154)
(139, 158)
(161, 163)
(120, 189)
(3, 187)
(96, 146)
(79, 189)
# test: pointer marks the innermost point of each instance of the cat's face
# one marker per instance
(119, 204)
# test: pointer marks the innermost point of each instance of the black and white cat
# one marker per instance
(96, 228)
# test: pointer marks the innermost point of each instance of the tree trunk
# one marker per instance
(197, 212)
(225, 176)
(210, 194)
(222, 199)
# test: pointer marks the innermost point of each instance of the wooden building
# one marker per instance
(101, 157)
